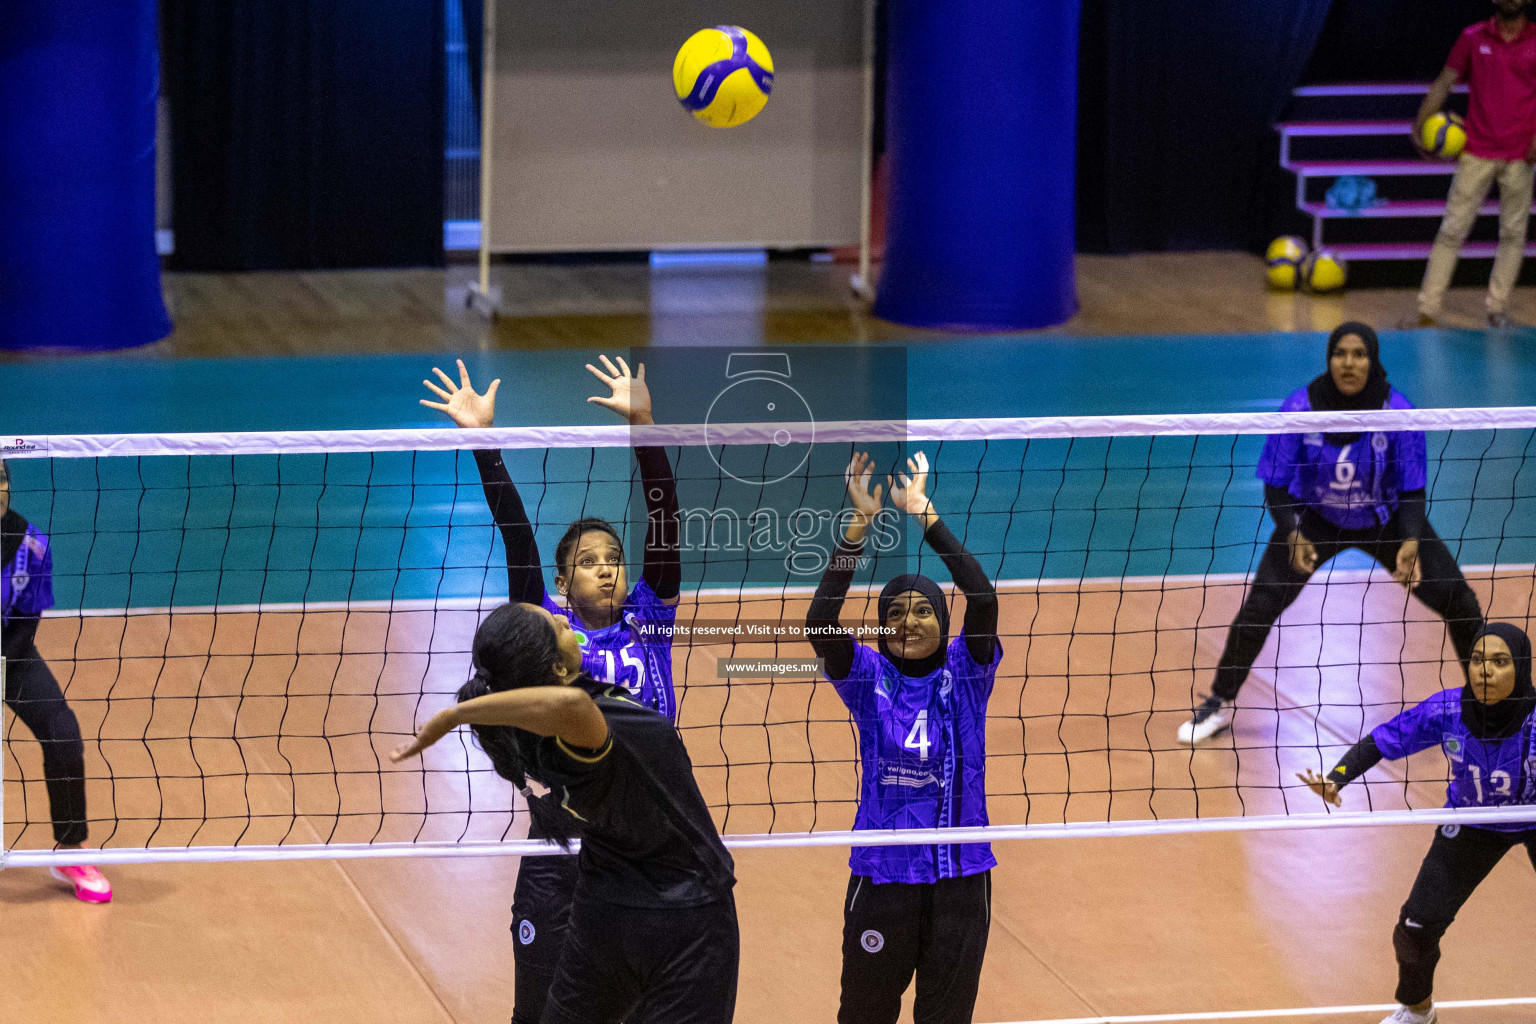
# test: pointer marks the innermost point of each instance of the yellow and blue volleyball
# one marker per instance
(723, 75)
(1322, 271)
(1444, 135)
(1282, 262)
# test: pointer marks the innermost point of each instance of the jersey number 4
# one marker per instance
(917, 739)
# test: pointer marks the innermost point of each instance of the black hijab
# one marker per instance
(1325, 395)
(1503, 719)
(916, 667)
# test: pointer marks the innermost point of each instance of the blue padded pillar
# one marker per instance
(981, 114)
(78, 267)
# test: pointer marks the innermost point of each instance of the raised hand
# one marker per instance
(864, 501)
(631, 396)
(461, 402)
(909, 490)
(1325, 788)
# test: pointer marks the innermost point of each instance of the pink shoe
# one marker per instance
(90, 885)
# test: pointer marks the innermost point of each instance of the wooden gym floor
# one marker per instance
(1082, 928)
(1129, 926)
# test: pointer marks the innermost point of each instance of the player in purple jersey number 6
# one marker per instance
(1485, 729)
(919, 704)
(1329, 492)
(622, 631)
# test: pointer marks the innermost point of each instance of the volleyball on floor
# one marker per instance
(723, 76)
(1444, 135)
(1282, 262)
(1322, 271)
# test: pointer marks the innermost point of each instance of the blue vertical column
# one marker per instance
(78, 83)
(981, 126)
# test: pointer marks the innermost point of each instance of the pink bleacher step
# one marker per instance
(1413, 250)
(1342, 128)
(1337, 168)
(1370, 89)
(1395, 208)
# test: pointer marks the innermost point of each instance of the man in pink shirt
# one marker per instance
(1497, 60)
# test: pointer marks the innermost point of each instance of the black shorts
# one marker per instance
(541, 917)
(644, 966)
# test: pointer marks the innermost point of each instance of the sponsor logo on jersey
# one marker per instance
(908, 776)
(1379, 442)
(872, 941)
(1454, 749)
(525, 931)
(1315, 440)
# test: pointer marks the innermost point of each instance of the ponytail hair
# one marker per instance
(515, 647)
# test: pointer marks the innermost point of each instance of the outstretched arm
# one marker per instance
(565, 712)
(1357, 760)
(910, 494)
(468, 409)
(831, 641)
(631, 398)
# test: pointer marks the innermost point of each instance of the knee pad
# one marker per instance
(1417, 943)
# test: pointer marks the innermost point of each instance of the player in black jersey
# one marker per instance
(591, 581)
(653, 935)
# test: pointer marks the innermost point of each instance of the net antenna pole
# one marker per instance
(480, 296)
(863, 287)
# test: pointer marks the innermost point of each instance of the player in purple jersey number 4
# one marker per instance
(919, 704)
(1485, 729)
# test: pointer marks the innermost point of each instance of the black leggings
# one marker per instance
(541, 919)
(1277, 584)
(34, 695)
(1458, 860)
(936, 930)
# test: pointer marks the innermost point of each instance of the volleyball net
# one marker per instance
(245, 625)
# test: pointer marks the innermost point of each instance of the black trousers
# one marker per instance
(1457, 862)
(642, 966)
(937, 931)
(34, 695)
(1277, 584)
(541, 918)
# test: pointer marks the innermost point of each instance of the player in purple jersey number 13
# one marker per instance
(31, 691)
(1328, 492)
(1486, 731)
(919, 704)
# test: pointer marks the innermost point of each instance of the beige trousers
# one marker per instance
(1474, 177)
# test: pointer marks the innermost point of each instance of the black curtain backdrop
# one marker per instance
(305, 133)
(1176, 103)
(1390, 40)
(474, 42)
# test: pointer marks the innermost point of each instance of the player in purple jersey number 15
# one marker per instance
(1486, 731)
(1328, 492)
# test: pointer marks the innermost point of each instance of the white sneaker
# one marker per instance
(1403, 1015)
(1211, 717)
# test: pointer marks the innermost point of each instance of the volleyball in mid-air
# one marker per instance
(1322, 271)
(1444, 135)
(1282, 262)
(723, 75)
